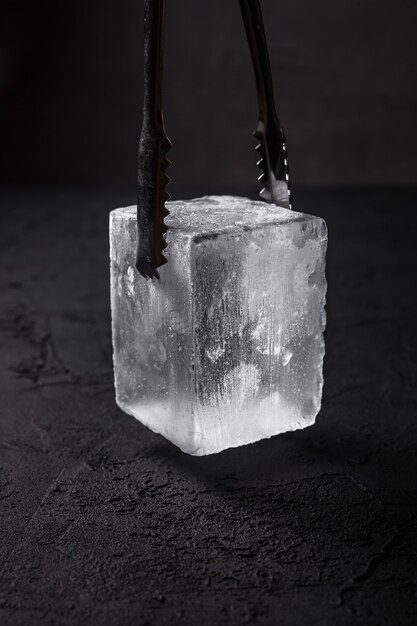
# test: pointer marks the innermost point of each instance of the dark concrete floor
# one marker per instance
(105, 523)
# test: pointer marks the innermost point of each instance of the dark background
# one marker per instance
(344, 71)
(104, 523)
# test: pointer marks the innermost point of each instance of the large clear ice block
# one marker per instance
(227, 347)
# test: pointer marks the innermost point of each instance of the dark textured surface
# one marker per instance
(104, 522)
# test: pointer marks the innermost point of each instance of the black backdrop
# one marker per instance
(70, 106)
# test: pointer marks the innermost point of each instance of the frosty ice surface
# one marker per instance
(227, 347)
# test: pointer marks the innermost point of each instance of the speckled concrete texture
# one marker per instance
(105, 523)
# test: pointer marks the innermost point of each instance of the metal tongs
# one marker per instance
(154, 144)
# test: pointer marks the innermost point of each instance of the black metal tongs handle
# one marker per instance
(272, 145)
(154, 146)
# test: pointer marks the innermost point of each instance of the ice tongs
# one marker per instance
(154, 144)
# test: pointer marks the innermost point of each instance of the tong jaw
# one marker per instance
(271, 148)
(273, 163)
(152, 194)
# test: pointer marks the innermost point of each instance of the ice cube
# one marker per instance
(227, 347)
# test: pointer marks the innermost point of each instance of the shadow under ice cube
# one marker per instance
(227, 347)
